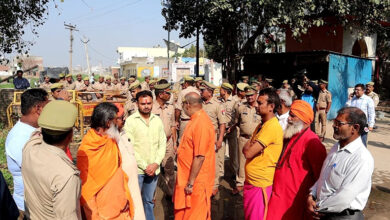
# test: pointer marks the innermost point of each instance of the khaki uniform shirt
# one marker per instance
(130, 107)
(230, 107)
(216, 112)
(111, 87)
(98, 86)
(180, 99)
(248, 119)
(69, 86)
(167, 116)
(324, 98)
(45, 86)
(375, 98)
(79, 85)
(145, 86)
(122, 88)
(52, 184)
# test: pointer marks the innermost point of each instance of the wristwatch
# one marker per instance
(189, 185)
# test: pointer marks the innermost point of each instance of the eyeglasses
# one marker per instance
(338, 123)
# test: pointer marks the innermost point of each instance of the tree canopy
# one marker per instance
(233, 28)
(17, 17)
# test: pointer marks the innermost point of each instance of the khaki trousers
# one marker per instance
(219, 163)
(240, 179)
(168, 163)
(181, 128)
(320, 123)
(231, 141)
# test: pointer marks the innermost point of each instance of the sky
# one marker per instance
(107, 24)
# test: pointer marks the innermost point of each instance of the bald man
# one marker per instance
(195, 163)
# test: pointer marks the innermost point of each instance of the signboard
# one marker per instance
(145, 71)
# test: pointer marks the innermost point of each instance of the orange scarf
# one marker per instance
(98, 158)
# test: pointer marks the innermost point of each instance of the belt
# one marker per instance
(185, 119)
(322, 108)
(245, 136)
(345, 212)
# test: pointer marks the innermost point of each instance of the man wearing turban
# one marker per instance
(299, 165)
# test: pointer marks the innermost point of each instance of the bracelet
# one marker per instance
(189, 185)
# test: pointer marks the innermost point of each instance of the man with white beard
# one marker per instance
(299, 165)
(100, 164)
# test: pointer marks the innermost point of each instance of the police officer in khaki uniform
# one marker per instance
(248, 119)
(166, 112)
(109, 85)
(69, 84)
(231, 131)
(123, 86)
(86, 87)
(240, 96)
(62, 78)
(46, 83)
(58, 92)
(145, 83)
(198, 82)
(52, 185)
(257, 85)
(131, 103)
(215, 110)
(181, 117)
(323, 105)
(131, 80)
(79, 82)
(370, 93)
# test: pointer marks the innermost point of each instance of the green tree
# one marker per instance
(191, 52)
(15, 16)
(233, 28)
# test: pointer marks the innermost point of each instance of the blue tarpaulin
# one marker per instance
(345, 72)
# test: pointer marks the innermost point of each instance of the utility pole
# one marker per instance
(85, 41)
(197, 52)
(71, 28)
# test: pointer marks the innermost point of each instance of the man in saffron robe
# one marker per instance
(299, 165)
(104, 191)
(195, 163)
(262, 152)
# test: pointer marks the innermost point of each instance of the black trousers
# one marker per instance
(344, 215)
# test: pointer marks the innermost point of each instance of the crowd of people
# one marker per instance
(182, 135)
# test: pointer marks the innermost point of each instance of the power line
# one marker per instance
(109, 11)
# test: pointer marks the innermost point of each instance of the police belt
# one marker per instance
(185, 119)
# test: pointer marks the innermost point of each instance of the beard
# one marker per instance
(293, 129)
(113, 133)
